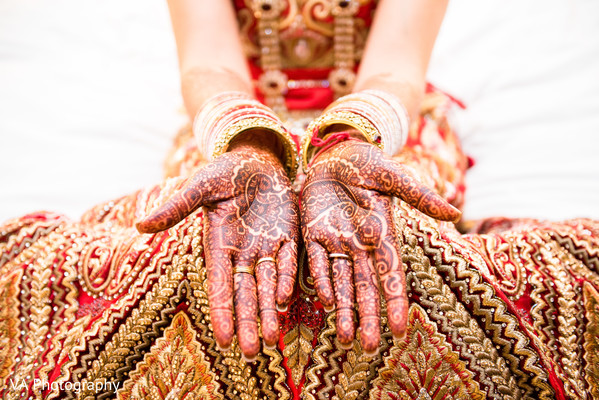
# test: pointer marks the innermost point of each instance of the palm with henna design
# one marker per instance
(347, 209)
(251, 213)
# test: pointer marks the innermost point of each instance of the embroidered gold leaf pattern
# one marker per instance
(453, 319)
(174, 369)
(424, 360)
(355, 373)
(298, 346)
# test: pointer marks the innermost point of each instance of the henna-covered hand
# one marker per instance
(251, 213)
(347, 209)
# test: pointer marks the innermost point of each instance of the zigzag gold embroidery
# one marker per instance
(319, 362)
(566, 315)
(453, 319)
(275, 368)
(67, 290)
(104, 325)
(115, 351)
(39, 312)
(491, 310)
(19, 243)
(591, 338)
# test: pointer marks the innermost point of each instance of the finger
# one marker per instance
(266, 276)
(344, 296)
(394, 179)
(246, 314)
(367, 297)
(319, 269)
(287, 267)
(204, 186)
(393, 282)
(220, 296)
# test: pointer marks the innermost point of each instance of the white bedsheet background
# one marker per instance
(89, 101)
(529, 73)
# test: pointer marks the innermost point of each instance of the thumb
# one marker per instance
(395, 180)
(202, 188)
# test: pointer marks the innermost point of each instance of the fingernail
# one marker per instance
(267, 347)
(282, 309)
(329, 309)
(345, 346)
(248, 360)
(401, 336)
(138, 226)
(371, 353)
(222, 349)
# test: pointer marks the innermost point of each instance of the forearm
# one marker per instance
(399, 47)
(200, 83)
(396, 59)
(211, 59)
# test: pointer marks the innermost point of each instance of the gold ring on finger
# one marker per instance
(243, 269)
(339, 255)
(265, 259)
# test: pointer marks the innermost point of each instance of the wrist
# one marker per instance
(258, 139)
(351, 132)
(379, 116)
(234, 118)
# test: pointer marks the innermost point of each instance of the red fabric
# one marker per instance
(301, 99)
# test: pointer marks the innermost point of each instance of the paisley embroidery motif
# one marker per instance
(422, 363)
(175, 368)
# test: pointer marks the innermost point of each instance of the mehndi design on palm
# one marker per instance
(252, 218)
(347, 209)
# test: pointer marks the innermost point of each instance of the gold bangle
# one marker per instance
(290, 162)
(339, 117)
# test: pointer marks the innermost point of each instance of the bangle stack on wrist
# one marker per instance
(226, 115)
(378, 115)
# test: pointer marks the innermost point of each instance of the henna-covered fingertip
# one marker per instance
(269, 347)
(401, 336)
(458, 215)
(371, 354)
(143, 226)
(345, 346)
(450, 213)
(328, 309)
(222, 349)
(249, 359)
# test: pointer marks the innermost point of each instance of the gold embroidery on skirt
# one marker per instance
(424, 360)
(176, 367)
(454, 320)
(502, 327)
(568, 312)
(591, 338)
(9, 323)
(184, 281)
(34, 339)
(298, 346)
